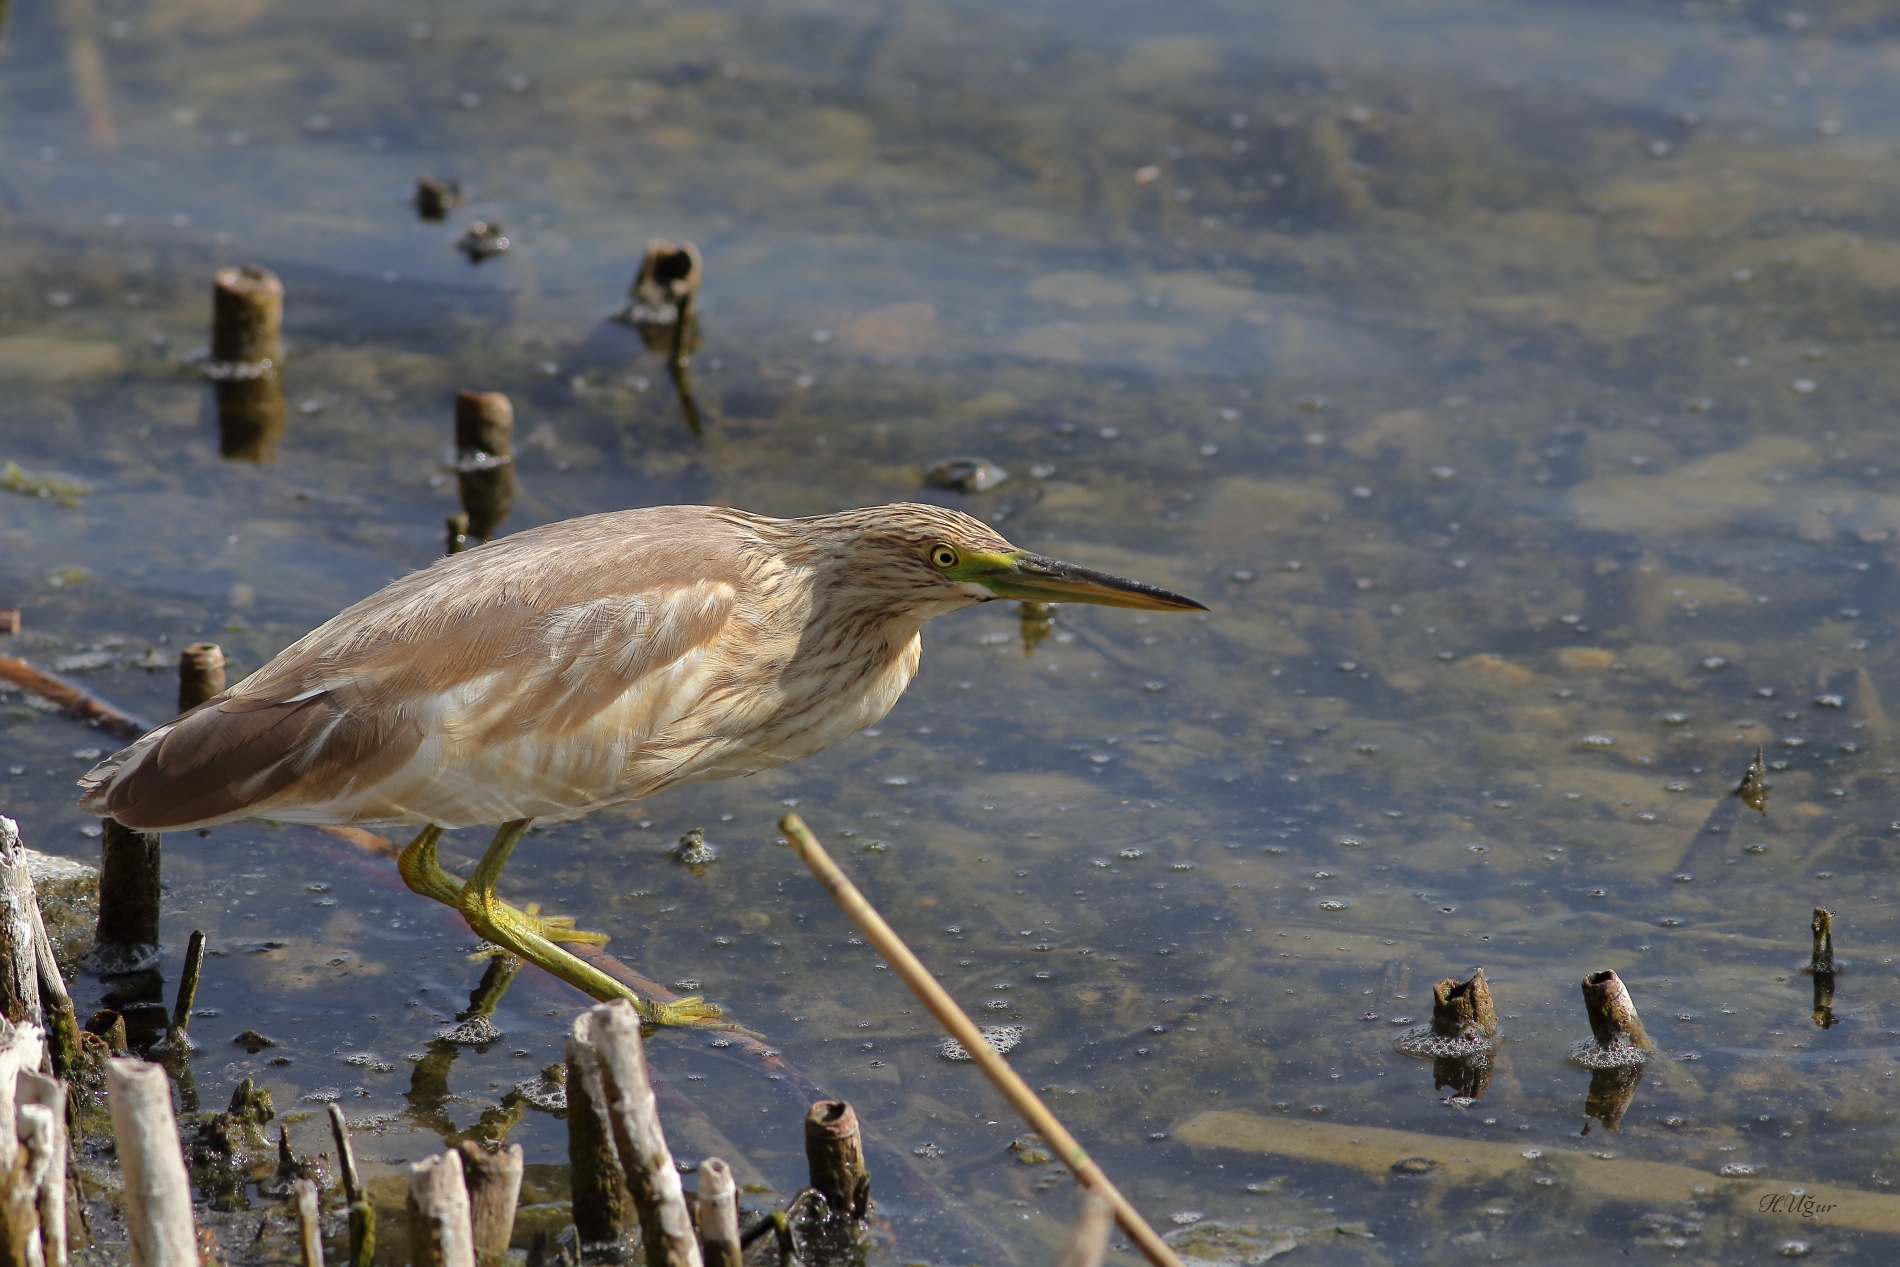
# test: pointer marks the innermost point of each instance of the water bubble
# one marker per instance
(1597, 741)
(1736, 1170)
(1332, 904)
(1830, 701)
(1349, 842)
(1794, 1249)
(1131, 854)
(1714, 662)
(1803, 385)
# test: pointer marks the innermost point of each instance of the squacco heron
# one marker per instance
(582, 664)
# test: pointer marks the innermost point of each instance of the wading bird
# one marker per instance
(585, 663)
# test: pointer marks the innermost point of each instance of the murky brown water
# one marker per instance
(1511, 380)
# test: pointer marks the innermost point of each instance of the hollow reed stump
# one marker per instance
(834, 1155)
(1463, 1008)
(599, 1184)
(1822, 926)
(439, 1233)
(200, 674)
(484, 459)
(129, 897)
(493, 1180)
(718, 1211)
(157, 1189)
(1613, 1019)
(247, 312)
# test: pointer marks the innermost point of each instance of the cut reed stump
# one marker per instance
(666, 1229)
(439, 1233)
(127, 939)
(717, 1209)
(493, 1180)
(484, 459)
(309, 1226)
(599, 1184)
(157, 1189)
(247, 312)
(200, 674)
(834, 1156)
(1613, 1020)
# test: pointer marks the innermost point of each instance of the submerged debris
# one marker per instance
(966, 475)
(482, 241)
(1753, 788)
(66, 492)
(435, 195)
(547, 1092)
(693, 851)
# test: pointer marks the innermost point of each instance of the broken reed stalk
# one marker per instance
(1088, 1244)
(36, 1089)
(19, 949)
(128, 899)
(1613, 1019)
(439, 1234)
(652, 1180)
(834, 1157)
(74, 701)
(157, 1189)
(598, 1182)
(1822, 926)
(493, 1180)
(484, 459)
(718, 1210)
(309, 1226)
(187, 991)
(200, 674)
(362, 1213)
(1463, 1008)
(47, 998)
(913, 973)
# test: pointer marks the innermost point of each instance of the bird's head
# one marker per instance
(928, 559)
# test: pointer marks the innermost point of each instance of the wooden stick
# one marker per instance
(309, 1229)
(187, 991)
(718, 1209)
(362, 1213)
(834, 1157)
(38, 1090)
(1089, 1245)
(652, 1179)
(157, 1189)
(73, 700)
(129, 898)
(494, 1188)
(200, 674)
(913, 973)
(599, 1184)
(439, 1234)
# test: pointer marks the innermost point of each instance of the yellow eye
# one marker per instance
(942, 557)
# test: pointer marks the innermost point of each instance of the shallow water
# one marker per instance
(1508, 379)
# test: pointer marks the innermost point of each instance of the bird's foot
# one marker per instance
(691, 1010)
(559, 928)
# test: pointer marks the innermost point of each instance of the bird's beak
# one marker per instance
(1032, 578)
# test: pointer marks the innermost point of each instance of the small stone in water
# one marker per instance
(966, 475)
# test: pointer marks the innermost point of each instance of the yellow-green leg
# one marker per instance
(510, 929)
(424, 875)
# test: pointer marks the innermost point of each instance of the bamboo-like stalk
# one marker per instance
(834, 1157)
(1005, 1079)
(187, 992)
(654, 1181)
(157, 1189)
(718, 1208)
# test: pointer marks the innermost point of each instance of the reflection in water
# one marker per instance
(252, 416)
(1611, 1091)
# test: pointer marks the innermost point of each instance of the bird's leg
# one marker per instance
(424, 875)
(510, 929)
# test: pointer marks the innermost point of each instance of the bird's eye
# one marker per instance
(943, 557)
